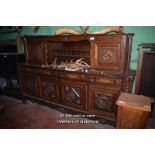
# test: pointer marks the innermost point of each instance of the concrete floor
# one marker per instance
(17, 115)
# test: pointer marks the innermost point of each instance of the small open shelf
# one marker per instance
(67, 51)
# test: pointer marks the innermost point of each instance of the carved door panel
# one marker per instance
(30, 84)
(49, 88)
(35, 51)
(108, 55)
(102, 100)
(74, 94)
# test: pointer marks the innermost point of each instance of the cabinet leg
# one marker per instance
(24, 100)
(1, 107)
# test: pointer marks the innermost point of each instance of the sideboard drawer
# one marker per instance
(91, 78)
(73, 76)
(109, 81)
(32, 70)
(49, 72)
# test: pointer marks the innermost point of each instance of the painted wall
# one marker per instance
(145, 34)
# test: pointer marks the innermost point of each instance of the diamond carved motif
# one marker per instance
(72, 94)
(106, 55)
(103, 101)
(49, 89)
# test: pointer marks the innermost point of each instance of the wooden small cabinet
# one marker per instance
(102, 100)
(73, 94)
(132, 111)
(130, 118)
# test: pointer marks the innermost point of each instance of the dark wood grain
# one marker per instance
(94, 91)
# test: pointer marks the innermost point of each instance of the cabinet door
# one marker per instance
(49, 88)
(35, 51)
(108, 54)
(102, 100)
(30, 84)
(74, 94)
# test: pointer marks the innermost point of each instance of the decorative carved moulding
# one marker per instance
(117, 29)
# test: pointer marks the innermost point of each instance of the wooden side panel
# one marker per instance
(128, 118)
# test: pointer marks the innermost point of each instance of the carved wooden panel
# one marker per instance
(35, 53)
(108, 57)
(50, 50)
(102, 100)
(49, 88)
(29, 84)
(74, 94)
